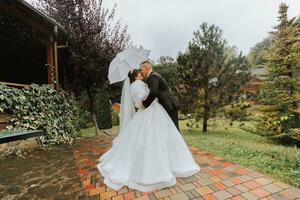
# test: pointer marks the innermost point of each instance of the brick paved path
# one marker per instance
(217, 179)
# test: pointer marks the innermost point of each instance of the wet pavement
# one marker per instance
(69, 172)
(40, 175)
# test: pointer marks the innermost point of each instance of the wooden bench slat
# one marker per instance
(20, 135)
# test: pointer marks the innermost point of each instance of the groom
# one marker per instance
(159, 89)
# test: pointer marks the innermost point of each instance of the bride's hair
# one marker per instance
(132, 74)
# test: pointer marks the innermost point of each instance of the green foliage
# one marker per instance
(168, 68)
(236, 111)
(103, 106)
(211, 74)
(280, 92)
(114, 118)
(256, 55)
(41, 107)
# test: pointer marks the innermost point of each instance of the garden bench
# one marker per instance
(9, 136)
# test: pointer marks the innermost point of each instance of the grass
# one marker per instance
(247, 149)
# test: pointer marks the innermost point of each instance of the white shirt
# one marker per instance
(149, 73)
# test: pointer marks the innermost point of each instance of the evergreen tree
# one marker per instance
(280, 92)
(104, 118)
(210, 76)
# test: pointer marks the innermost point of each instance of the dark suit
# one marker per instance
(159, 89)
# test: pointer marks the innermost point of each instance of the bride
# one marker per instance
(149, 152)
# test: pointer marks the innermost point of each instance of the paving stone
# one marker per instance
(236, 180)
(197, 198)
(215, 179)
(223, 177)
(177, 188)
(195, 193)
(241, 188)
(263, 181)
(228, 183)
(233, 191)
(231, 174)
(249, 196)
(122, 190)
(218, 179)
(197, 184)
(118, 198)
(180, 196)
(295, 192)
(237, 198)
(245, 178)
(272, 188)
(188, 186)
(219, 185)
(190, 179)
(152, 197)
(256, 175)
(243, 171)
(108, 194)
(163, 193)
(205, 182)
(222, 195)
(213, 187)
(209, 197)
(204, 190)
(282, 185)
(279, 196)
(172, 189)
(137, 193)
(204, 175)
(189, 194)
(251, 184)
(97, 191)
(260, 193)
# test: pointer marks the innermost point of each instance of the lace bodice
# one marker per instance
(139, 92)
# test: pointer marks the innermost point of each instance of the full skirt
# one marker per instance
(149, 154)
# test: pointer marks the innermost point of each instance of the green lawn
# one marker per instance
(249, 150)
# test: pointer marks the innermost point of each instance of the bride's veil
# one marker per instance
(127, 106)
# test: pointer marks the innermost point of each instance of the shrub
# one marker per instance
(103, 109)
(41, 107)
(236, 111)
(114, 118)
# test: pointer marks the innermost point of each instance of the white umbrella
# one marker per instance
(124, 62)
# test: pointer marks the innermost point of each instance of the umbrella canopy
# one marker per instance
(124, 62)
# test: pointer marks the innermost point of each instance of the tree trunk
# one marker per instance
(93, 113)
(205, 114)
(205, 106)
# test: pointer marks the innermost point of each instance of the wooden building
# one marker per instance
(31, 42)
(251, 90)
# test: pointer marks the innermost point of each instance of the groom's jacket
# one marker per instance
(159, 89)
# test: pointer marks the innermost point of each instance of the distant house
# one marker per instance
(251, 90)
(31, 42)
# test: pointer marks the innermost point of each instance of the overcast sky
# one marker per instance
(166, 26)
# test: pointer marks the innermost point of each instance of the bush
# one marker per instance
(114, 118)
(41, 107)
(83, 111)
(103, 109)
(236, 111)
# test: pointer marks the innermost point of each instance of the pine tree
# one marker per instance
(280, 92)
(209, 75)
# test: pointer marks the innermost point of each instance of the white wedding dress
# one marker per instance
(150, 152)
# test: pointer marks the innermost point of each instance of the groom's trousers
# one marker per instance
(174, 116)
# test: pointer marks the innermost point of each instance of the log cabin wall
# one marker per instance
(23, 58)
(29, 38)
